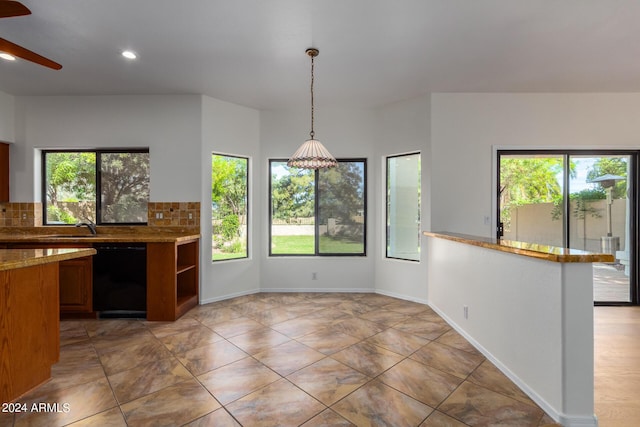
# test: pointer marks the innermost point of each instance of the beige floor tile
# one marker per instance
(110, 418)
(259, 340)
(328, 418)
(328, 380)
(328, 341)
(73, 404)
(448, 359)
(198, 336)
(175, 405)
(237, 379)
(478, 406)
(438, 419)
(149, 378)
(488, 376)
(278, 404)
(425, 384)
(418, 360)
(367, 358)
(377, 404)
(397, 341)
(212, 356)
(218, 418)
(237, 326)
(422, 328)
(288, 357)
(359, 328)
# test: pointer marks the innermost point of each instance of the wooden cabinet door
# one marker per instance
(4, 172)
(76, 290)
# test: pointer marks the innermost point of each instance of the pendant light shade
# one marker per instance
(312, 154)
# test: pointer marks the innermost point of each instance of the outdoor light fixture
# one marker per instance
(312, 154)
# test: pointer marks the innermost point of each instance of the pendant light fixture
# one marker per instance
(312, 154)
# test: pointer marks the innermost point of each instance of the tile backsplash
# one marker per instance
(173, 214)
(20, 214)
(168, 214)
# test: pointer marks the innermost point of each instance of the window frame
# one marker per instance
(386, 207)
(98, 169)
(248, 203)
(317, 252)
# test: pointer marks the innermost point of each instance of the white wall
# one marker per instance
(345, 133)
(168, 124)
(7, 117)
(230, 129)
(466, 127)
(402, 127)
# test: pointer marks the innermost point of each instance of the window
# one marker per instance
(403, 207)
(318, 212)
(103, 186)
(229, 190)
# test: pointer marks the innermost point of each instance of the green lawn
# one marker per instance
(224, 255)
(302, 245)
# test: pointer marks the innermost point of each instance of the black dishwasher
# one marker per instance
(120, 280)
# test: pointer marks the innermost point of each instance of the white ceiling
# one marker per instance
(372, 52)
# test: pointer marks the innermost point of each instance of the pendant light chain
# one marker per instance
(312, 133)
(312, 154)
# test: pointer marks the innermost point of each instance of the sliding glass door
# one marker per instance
(576, 199)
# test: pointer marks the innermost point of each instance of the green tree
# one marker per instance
(70, 176)
(228, 185)
(614, 166)
(124, 186)
(292, 194)
(341, 192)
(528, 180)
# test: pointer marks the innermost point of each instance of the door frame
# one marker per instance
(634, 202)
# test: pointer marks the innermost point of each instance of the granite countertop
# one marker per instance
(66, 234)
(534, 250)
(19, 258)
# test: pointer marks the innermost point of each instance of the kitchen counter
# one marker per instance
(533, 250)
(101, 237)
(19, 258)
(29, 316)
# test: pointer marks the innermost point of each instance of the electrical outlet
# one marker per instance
(190, 215)
(24, 216)
(314, 276)
(465, 310)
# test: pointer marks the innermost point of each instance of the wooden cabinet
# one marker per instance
(29, 328)
(4, 172)
(75, 278)
(172, 279)
(76, 291)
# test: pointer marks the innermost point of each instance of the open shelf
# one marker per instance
(172, 279)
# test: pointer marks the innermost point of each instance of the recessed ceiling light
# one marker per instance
(6, 56)
(129, 54)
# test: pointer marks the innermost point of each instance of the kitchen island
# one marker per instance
(29, 316)
(528, 308)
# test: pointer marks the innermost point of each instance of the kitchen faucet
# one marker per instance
(89, 224)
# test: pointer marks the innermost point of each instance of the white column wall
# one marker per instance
(402, 127)
(235, 130)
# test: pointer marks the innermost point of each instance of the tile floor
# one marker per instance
(277, 360)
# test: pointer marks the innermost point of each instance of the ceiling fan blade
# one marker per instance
(21, 52)
(9, 8)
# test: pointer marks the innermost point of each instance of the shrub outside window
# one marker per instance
(229, 195)
(318, 212)
(103, 186)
